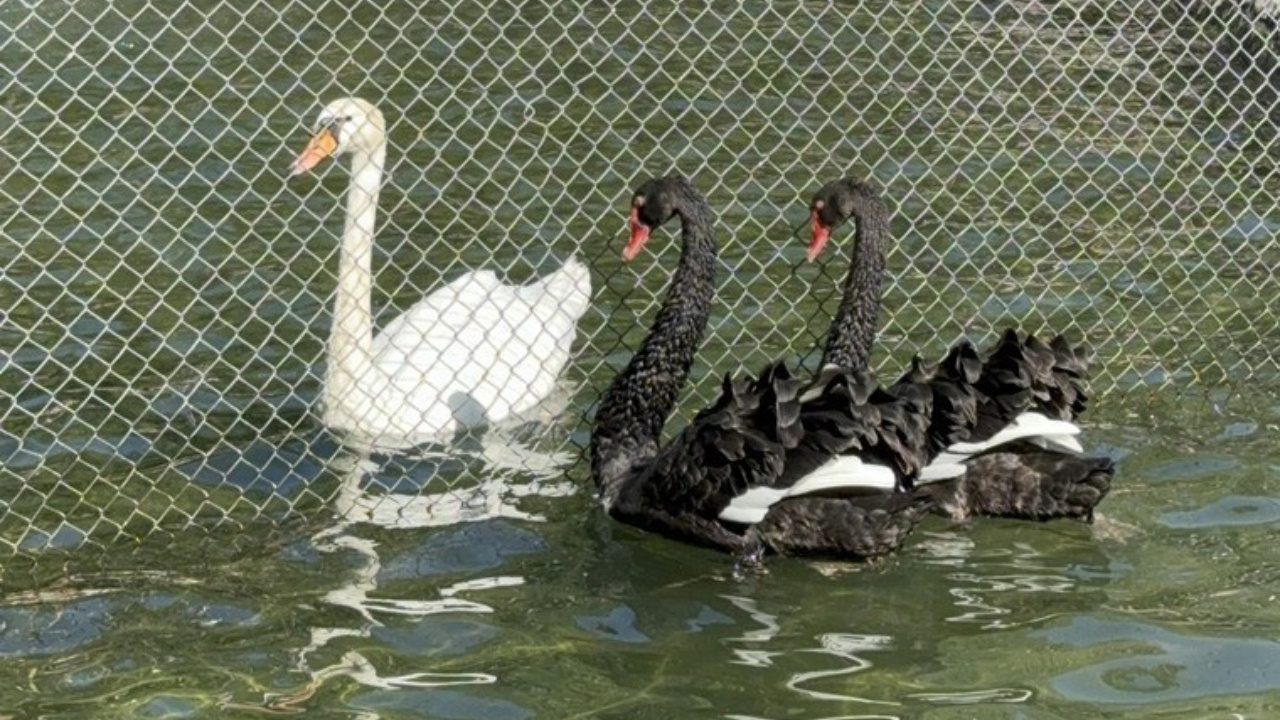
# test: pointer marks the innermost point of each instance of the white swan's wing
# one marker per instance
(478, 350)
(448, 306)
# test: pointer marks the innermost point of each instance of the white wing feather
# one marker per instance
(844, 472)
(1059, 435)
(475, 350)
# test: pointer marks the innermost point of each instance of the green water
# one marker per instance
(181, 539)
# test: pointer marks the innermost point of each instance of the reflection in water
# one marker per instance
(988, 588)
(52, 625)
(845, 646)
(503, 460)
(356, 666)
(618, 625)
(355, 594)
(829, 717)
(1162, 666)
(975, 697)
(976, 595)
(769, 628)
(952, 549)
(492, 496)
(1233, 510)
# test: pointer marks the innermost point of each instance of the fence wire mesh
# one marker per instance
(1104, 169)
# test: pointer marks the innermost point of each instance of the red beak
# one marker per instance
(821, 233)
(639, 236)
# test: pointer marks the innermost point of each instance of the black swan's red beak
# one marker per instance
(821, 233)
(639, 236)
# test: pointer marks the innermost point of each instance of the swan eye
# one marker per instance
(638, 201)
(819, 204)
(333, 124)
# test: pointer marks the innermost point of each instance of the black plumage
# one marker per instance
(1024, 481)
(762, 434)
(972, 398)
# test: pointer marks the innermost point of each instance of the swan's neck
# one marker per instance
(347, 389)
(853, 330)
(629, 420)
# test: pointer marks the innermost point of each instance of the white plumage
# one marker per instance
(474, 351)
(1034, 427)
(845, 473)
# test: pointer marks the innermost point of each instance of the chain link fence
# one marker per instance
(1105, 169)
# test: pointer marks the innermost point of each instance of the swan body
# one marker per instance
(474, 351)
(773, 464)
(1019, 439)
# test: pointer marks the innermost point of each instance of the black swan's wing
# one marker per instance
(848, 419)
(738, 443)
(1022, 458)
(1018, 380)
(1064, 397)
(1024, 377)
(1007, 384)
(953, 398)
(767, 439)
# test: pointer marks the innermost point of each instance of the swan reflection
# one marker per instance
(506, 469)
(492, 495)
(976, 593)
(848, 647)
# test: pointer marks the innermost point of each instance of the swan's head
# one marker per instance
(346, 125)
(654, 203)
(834, 203)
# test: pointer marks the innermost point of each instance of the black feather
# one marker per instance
(762, 432)
(970, 398)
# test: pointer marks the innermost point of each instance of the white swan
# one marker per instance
(475, 351)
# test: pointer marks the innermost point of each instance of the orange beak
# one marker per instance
(639, 236)
(821, 233)
(321, 146)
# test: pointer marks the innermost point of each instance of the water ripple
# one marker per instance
(1164, 666)
(618, 625)
(1233, 510)
(848, 647)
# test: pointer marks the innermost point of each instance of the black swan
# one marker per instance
(1020, 458)
(773, 464)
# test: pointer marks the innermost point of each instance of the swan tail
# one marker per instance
(1064, 395)
(1029, 484)
(569, 287)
